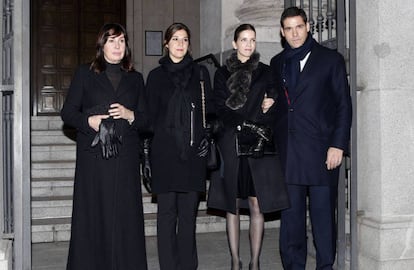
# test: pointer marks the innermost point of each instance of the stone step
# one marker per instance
(51, 207)
(47, 137)
(53, 169)
(46, 123)
(59, 186)
(58, 229)
(61, 206)
(52, 187)
(50, 230)
(53, 152)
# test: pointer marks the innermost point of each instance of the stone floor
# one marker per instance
(212, 252)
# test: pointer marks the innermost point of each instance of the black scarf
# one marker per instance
(179, 105)
(239, 81)
(292, 58)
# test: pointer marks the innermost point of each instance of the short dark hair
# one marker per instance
(107, 30)
(293, 12)
(241, 28)
(169, 33)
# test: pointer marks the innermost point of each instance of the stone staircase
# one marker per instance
(52, 171)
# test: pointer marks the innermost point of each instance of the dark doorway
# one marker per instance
(63, 35)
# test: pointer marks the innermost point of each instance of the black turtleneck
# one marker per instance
(114, 73)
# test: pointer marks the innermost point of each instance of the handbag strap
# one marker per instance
(203, 98)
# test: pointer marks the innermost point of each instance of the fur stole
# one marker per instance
(239, 81)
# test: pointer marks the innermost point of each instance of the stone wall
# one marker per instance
(385, 134)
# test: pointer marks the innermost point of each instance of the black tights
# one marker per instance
(256, 229)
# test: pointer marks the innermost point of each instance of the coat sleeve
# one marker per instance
(153, 100)
(72, 111)
(343, 119)
(268, 118)
(140, 111)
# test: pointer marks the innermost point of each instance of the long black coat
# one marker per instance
(107, 219)
(318, 117)
(169, 171)
(266, 171)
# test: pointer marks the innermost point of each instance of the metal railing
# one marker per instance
(6, 150)
(6, 122)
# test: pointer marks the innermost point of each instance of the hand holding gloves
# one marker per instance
(107, 138)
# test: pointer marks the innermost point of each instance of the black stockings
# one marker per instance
(256, 229)
(233, 236)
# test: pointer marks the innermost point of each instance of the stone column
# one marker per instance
(385, 134)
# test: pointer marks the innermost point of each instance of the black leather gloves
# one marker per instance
(261, 130)
(212, 128)
(146, 165)
(262, 133)
(203, 147)
(208, 147)
(107, 138)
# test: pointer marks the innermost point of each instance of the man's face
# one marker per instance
(295, 31)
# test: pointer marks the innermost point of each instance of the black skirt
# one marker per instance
(245, 180)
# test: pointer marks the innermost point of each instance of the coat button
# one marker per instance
(291, 110)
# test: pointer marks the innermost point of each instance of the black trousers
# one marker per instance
(293, 239)
(176, 228)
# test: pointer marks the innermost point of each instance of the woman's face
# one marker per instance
(178, 46)
(114, 49)
(245, 45)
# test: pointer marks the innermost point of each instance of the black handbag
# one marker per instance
(247, 142)
(213, 154)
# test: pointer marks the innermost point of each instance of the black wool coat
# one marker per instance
(107, 219)
(266, 172)
(170, 173)
(318, 116)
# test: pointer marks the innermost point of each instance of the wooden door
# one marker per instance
(63, 35)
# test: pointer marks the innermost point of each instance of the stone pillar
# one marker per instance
(385, 134)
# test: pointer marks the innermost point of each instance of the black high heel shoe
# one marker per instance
(251, 266)
(240, 265)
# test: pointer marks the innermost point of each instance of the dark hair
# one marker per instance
(107, 30)
(293, 12)
(169, 33)
(241, 28)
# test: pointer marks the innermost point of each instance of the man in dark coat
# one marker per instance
(314, 120)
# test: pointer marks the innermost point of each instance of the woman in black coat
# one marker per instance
(105, 104)
(178, 170)
(244, 103)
